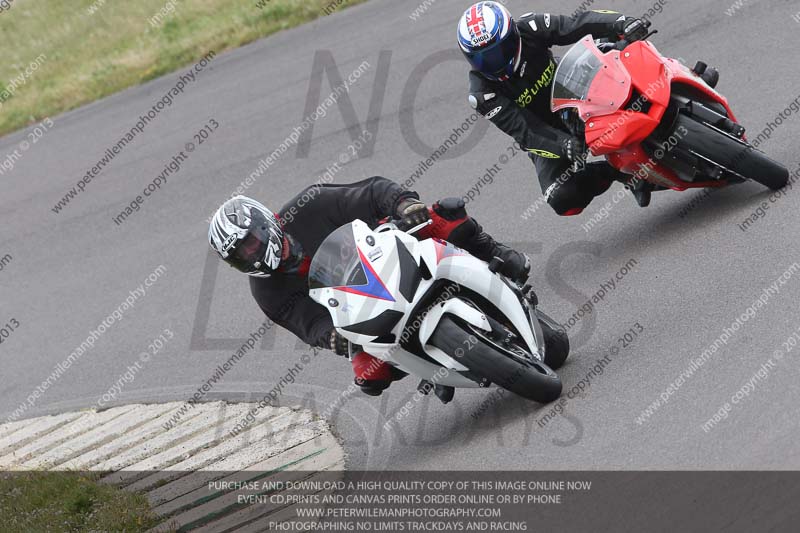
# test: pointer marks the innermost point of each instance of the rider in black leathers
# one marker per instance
(517, 98)
(275, 249)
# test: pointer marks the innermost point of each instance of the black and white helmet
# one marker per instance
(247, 236)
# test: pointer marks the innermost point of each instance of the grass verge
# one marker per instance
(68, 501)
(60, 55)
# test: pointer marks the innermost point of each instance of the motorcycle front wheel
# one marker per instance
(530, 379)
(731, 154)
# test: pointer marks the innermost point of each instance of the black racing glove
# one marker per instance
(633, 29)
(338, 344)
(410, 213)
(574, 149)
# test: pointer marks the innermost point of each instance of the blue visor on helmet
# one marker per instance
(497, 60)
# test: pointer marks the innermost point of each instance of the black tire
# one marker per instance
(534, 381)
(556, 345)
(732, 154)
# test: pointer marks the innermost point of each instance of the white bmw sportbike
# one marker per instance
(433, 310)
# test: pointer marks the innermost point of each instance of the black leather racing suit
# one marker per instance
(520, 106)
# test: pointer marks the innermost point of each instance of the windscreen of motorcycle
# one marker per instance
(594, 82)
(337, 262)
(575, 74)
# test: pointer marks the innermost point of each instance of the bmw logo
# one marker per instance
(370, 240)
(333, 302)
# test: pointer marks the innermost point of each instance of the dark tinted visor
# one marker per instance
(251, 250)
(494, 59)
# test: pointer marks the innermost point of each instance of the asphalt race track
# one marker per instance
(685, 269)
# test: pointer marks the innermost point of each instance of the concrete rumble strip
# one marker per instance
(174, 467)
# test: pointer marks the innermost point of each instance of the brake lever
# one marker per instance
(419, 227)
(649, 35)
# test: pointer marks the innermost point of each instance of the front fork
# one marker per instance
(530, 301)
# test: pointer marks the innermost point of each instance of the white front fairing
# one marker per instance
(350, 306)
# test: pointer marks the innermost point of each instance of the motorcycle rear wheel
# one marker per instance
(530, 379)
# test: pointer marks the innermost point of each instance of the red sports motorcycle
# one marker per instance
(655, 118)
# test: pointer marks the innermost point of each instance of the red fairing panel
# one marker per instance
(602, 87)
(651, 79)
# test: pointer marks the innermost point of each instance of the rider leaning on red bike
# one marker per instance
(510, 84)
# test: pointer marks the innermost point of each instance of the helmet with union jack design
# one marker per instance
(490, 40)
